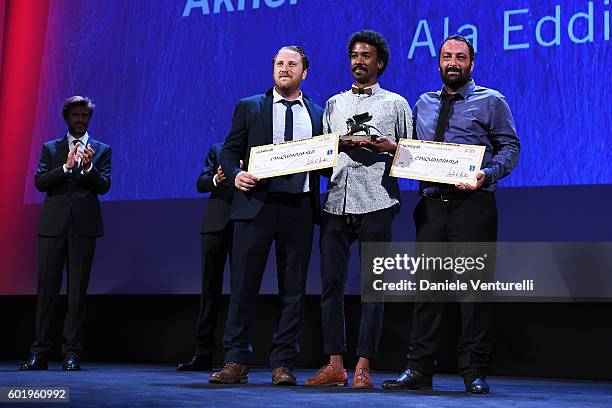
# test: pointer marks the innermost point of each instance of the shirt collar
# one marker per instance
(84, 139)
(278, 97)
(464, 91)
(375, 88)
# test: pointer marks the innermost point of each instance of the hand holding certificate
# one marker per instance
(437, 162)
(298, 156)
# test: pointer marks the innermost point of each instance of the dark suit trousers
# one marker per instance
(286, 219)
(76, 252)
(471, 219)
(215, 248)
(338, 232)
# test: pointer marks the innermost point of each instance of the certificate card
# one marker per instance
(297, 156)
(437, 162)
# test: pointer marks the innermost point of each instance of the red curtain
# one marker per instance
(23, 24)
(2, 7)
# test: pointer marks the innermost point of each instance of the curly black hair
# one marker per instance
(374, 39)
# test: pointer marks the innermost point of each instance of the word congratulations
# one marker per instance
(219, 6)
(459, 264)
(548, 30)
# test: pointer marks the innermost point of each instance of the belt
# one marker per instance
(447, 195)
(286, 196)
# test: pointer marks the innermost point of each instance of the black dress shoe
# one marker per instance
(408, 380)
(71, 363)
(34, 362)
(197, 363)
(477, 386)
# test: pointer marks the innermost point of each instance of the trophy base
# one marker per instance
(357, 138)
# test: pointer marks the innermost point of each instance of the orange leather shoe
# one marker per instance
(328, 376)
(362, 379)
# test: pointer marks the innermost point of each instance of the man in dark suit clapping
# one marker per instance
(73, 171)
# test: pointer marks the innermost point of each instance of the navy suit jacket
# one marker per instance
(252, 126)
(220, 200)
(74, 194)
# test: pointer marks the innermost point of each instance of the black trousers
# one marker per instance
(286, 219)
(338, 232)
(76, 253)
(469, 219)
(215, 249)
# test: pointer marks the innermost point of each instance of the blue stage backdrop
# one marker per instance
(166, 75)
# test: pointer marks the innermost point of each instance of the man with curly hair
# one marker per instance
(361, 201)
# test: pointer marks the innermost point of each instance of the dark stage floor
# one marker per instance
(114, 385)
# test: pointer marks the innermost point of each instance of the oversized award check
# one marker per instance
(438, 162)
(297, 156)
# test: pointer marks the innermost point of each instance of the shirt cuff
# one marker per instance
(488, 176)
(66, 169)
(215, 180)
(87, 170)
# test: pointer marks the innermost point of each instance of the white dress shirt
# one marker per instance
(82, 144)
(302, 125)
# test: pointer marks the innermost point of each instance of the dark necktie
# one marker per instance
(447, 101)
(289, 119)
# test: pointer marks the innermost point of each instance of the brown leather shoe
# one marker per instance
(283, 376)
(362, 379)
(328, 376)
(231, 373)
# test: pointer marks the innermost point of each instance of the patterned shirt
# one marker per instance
(360, 182)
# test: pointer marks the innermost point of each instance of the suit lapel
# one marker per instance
(266, 111)
(94, 145)
(316, 122)
(62, 148)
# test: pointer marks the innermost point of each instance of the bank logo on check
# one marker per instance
(330, 151)
(472, 167)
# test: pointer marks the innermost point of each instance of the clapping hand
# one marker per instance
(74, 155)
(87, 156)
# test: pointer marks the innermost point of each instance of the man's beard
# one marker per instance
(455, 82)
(74, 131)
(287, 86)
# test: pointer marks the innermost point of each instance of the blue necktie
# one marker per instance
(289, 119)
